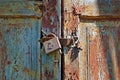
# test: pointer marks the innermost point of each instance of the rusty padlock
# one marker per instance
(52, 44)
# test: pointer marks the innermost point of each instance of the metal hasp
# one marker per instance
(20, 27)
(65, 42)
(71, 54)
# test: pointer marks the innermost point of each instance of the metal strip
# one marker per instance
(100, 17)
(20, 16)
(88, 52)
(62, 36)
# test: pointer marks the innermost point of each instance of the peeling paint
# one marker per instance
(51, 16)
(99, 59)
(51, 23)
(19, 36)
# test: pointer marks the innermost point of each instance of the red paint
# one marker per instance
(8, 62)
(94, 60)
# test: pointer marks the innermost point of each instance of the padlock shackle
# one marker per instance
(47, 37)
(51, 35)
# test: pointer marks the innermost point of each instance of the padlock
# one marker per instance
(52, 44)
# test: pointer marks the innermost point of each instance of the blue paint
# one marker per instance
(51, 70)
(20, 47)
(58, 8)
(23, 51)
(20, 39)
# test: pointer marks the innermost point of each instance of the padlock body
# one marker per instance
(52, 45)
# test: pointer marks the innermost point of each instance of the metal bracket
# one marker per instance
(63, 41)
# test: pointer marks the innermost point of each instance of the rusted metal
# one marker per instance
(99, 59)
(19, 46)
(71, 54)
(103, 17)
(63, 41)
(51, 17)
(101, 49)
(97, 7)
(20, 25)
(62, 36)
(17, 55)
(51, 70)
(20, 16)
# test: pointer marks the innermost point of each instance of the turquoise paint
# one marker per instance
(58, 8)
(51, 70)
(22, 50)
(20, 55)
(18, 7)
(19, 41)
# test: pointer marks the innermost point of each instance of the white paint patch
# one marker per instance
(90, 1)
(94, 33)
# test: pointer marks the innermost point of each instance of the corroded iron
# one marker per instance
(51, 16)
(19, 46)
(51, 63)
(97, 32)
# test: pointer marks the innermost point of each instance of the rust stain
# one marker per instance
(49, 74)
(71, 73)
(50, 18)
(9, 62)
(72, 55)
(93, 60)
(3, 49)
(118, 34)
(103, 50)
(71, 67)
(30, 72)
(3, 56)
(102, 54)
(16, 26)
(0, 35)
(71, 21)
(105, 46)
(118, 53)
